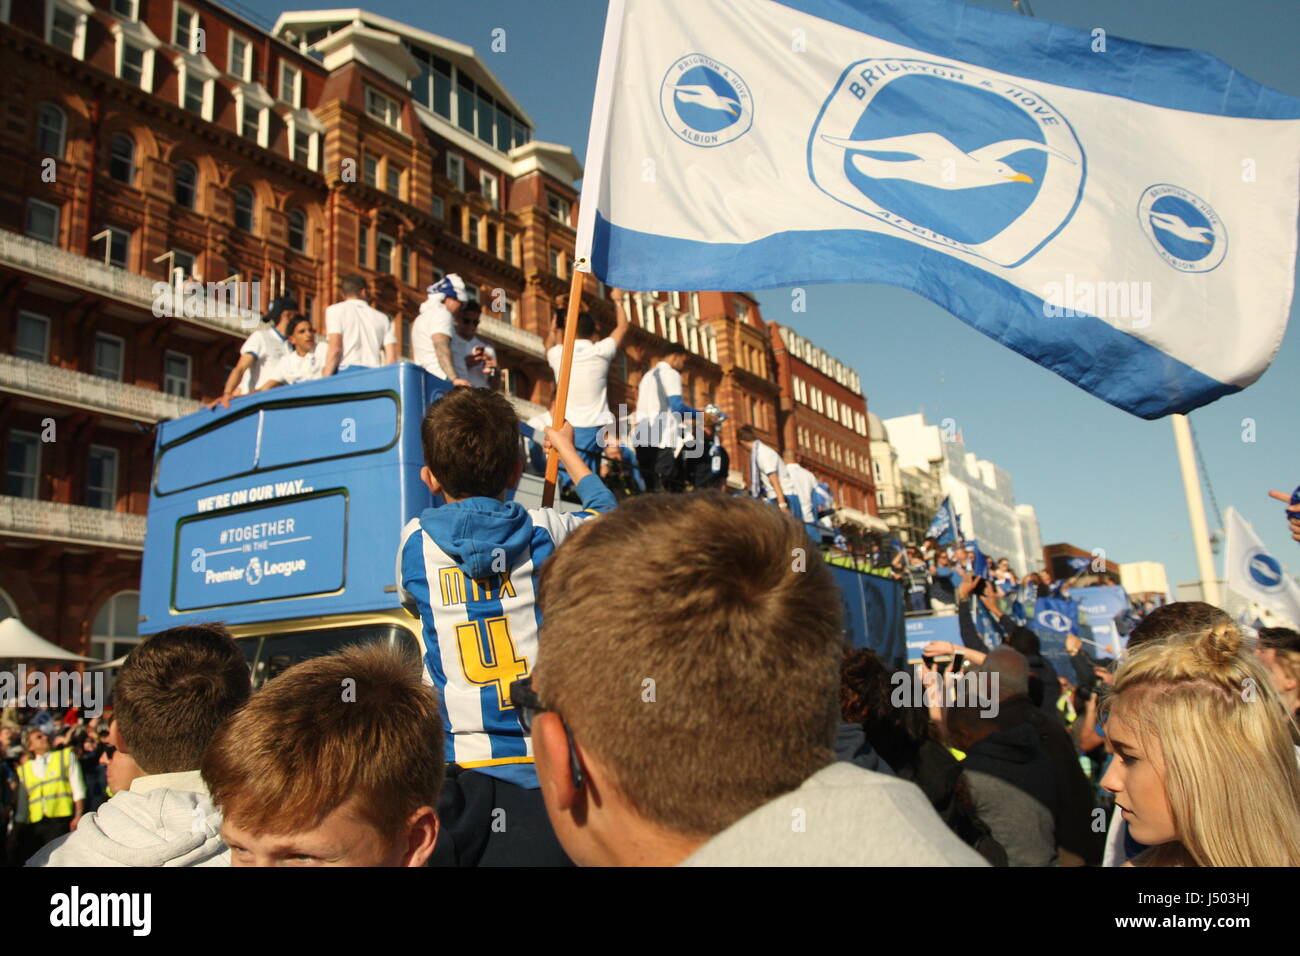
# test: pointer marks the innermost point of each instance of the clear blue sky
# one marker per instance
(1097, 476)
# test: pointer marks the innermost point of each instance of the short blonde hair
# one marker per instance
(359, 723)
(1230, 768)
(692, 643)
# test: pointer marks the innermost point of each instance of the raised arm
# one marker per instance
(621, 322)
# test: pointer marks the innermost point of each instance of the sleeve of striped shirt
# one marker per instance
(406, 598)
(596, 499)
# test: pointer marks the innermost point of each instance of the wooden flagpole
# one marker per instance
(560, 407)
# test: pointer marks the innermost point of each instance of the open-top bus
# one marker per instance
(281, 515)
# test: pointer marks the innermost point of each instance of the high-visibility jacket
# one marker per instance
(51, 795)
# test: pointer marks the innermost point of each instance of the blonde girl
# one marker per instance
(1204, 773)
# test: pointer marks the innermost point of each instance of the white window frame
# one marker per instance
(4, 11)
(58, 223)
(63, 131)
(288, 229)
(391, 112)
(181, 256)
(389, 166)
(81, 11)
(134, 15)
(380, 239)
(103, 646)
(295, 97)
(116, 459)
(438, 207)
(135, 149)
(35, 476)
(133, 33)
(114, 232)
(196, 25)
(234, 207)
(203, 70)
(94, 356)
(490, 186)
(189, 373)
(253, 96)
(45, 338)
(249, 55)
(456, 170)
(565, 207)
(301, 120)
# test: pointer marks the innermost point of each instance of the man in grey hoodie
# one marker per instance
(687, 714)
(170, 697)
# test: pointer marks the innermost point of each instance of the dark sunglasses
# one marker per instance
(468, 321)
(525, 699)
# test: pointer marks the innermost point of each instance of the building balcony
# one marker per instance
(71, 524)
(503, 333)
(66, 387)
(525, 409)
(92, 275)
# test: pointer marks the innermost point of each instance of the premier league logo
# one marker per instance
(1182, 227)
(254, 573)
(950, 156)
(705, 102)
(1264, 570)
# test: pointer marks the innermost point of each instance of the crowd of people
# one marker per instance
(701, 711)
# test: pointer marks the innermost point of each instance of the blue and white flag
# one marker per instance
(1122, 214)
(943, 526)
(1255, 573)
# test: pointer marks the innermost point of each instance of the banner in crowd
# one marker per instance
(943, 527)
(1255, 573)
(873, 613)
(1053, 621)
(922, 630)
(1100, 607)
(1065, 200)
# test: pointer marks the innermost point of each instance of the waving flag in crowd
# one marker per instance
(943, 527)
(1119, 213)
(1252, 571)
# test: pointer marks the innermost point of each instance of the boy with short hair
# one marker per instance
(468, 570)
(690, 717)
(171, 695)
(336, 762)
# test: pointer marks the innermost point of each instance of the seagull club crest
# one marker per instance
(945, 155)
(704, 102)
(1183, 228)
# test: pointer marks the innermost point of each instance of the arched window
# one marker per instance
(244, 208)
(298, 230)
(51, 131)
(114, 631)
(121, 158)
(187, 185)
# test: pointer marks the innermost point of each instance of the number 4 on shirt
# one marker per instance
(492, 660)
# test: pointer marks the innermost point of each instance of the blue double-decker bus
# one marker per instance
(281, 516)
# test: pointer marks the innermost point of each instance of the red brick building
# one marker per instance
(824, 424)
(161, 136)
(157, 139)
